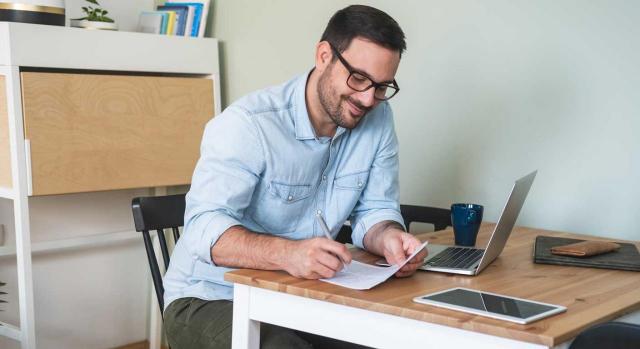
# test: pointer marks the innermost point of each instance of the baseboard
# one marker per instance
(138, 345)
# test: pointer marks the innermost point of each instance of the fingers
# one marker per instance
(409, 244)
(325, 258)
(394, 252)
(321, 272)
(330, 261)
(338, 249)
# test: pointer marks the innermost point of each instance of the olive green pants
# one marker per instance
(192, 323)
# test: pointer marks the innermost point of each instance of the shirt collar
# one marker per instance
(304, 129)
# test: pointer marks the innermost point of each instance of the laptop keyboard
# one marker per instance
(456, 257)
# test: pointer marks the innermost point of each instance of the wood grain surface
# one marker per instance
(590, 295)
(91, 132)
(5, 151)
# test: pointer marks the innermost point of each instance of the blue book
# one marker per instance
(182, 12)
(197, 15)
(165, 23)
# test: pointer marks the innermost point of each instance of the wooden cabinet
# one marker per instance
(91, 132)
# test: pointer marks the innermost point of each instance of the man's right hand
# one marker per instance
(316, 258)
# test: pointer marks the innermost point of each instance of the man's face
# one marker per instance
(344, 105)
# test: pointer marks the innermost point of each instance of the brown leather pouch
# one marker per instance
(585, 248)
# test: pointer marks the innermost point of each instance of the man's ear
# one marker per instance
(324, 54)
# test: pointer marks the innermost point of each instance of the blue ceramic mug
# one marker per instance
(466, 219)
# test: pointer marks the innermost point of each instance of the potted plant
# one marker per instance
(95, 18)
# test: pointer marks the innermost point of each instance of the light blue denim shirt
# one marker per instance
(262, 166)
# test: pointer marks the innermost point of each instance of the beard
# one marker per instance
(333, 103)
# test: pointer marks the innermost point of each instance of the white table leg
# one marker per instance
(246, 332)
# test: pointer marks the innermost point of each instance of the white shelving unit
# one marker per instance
(61, 50)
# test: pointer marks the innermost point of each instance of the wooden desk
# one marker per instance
(386, 316)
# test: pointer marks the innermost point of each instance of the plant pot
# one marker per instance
(83, 23)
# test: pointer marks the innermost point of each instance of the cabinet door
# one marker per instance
(5, 153)
(92, 132)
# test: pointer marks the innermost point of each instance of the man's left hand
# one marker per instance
(397, 246)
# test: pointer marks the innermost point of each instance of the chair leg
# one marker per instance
(155, 270)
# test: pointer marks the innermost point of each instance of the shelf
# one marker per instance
(75, 243)
(46, 46)
(8, 330)
(128, 90)
(6, 193)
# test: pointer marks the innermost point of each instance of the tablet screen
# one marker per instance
(490, 303)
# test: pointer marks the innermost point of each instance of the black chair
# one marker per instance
(158, 213)
(609, 335)
(439, 217)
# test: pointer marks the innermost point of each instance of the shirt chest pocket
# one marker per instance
(353, 181)
(282, 207)
(348, 188)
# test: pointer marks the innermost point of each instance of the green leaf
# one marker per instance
(104, 12)
(93, 2)
(107, 19)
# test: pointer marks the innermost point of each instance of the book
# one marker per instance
(189, 23)
(171, 20)
(200, 19)
(151, 22)
(625, 258)
(182, 14)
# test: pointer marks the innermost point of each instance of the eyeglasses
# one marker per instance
(360, 82)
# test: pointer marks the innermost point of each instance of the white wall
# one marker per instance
(490, 91)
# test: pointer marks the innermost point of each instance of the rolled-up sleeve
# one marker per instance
(379, 199)
(230, 164)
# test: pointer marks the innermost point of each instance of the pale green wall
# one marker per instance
(490, 91)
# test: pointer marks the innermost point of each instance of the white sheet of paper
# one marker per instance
(361, 276)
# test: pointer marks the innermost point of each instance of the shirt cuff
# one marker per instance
(218, 224)
(365, 223)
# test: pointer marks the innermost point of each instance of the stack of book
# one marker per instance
(176, 17)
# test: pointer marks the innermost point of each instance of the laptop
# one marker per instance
(469, 260)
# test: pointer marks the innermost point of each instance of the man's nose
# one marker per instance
(366, 98)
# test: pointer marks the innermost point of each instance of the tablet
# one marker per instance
(493, 305)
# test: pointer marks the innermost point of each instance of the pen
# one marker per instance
(327, 232)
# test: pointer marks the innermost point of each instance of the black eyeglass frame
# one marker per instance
(352, 70)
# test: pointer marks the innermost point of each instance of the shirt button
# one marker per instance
(324, 178)
(359, 184)
(319, 212)
(195, 257)
(290, 198)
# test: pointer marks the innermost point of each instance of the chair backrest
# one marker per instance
(158, 213)
(439, 217)
(610, 335)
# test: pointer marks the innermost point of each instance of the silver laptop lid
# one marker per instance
(507, 220)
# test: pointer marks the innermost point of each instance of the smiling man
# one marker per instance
(321, 144)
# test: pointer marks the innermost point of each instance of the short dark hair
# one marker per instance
(366, 22)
